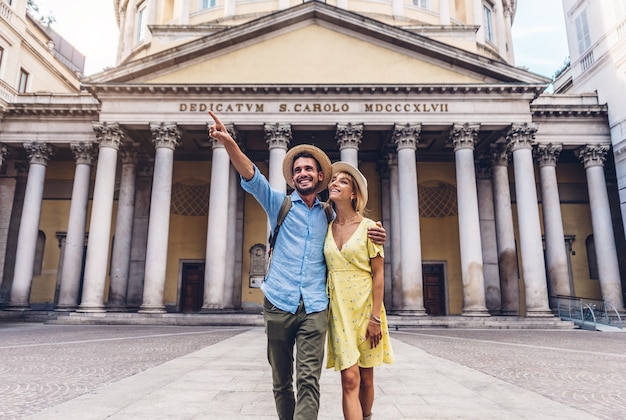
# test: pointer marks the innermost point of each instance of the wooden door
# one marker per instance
(434, 289)
(192, 287)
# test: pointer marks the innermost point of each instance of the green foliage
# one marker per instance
(33, 9)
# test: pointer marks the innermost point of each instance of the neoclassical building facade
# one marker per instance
(495, 196)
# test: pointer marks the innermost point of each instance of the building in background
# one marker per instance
(487, 187)
(596, 35)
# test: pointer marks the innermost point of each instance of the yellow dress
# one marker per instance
(350, 291)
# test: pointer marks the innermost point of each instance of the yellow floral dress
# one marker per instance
(350, 291)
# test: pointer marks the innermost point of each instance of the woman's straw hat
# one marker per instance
(356, 174)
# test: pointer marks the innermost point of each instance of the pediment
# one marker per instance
(314, 43)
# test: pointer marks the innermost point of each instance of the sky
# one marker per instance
(539, 39)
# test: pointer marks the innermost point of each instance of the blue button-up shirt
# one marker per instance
(298, 268)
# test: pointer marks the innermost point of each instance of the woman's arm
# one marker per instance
(374, 331)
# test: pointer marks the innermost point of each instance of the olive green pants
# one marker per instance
(308, 333)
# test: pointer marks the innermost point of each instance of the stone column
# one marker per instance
(215, 267)
(39, 154)
(593, 157)
(12, 191)
(73, 250)
(7, 195)
(397, 7)
(120, 260)
(486, 212)
(505, 232)
(184, 12)
(556, 254)
(520, 139)
(109, 137)
(510, 55)
(478, 20)
(385, 199)
(230, 8)
(406, 138)
(499, 29)
(463, 137)
(165, 138)
(231, 237)
(619, 154)
(278, 136)
(349, 138)
(137, 271)
(444, 12)
(395, 231)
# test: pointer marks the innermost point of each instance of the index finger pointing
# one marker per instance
(217, 120)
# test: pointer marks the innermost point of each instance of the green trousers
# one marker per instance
(308, 333)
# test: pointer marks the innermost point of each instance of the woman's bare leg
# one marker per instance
(350, 381)
(366, 391)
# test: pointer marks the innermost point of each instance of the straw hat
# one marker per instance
(318, 154)
(356, 174)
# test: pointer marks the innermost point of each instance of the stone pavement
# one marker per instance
(160, 372)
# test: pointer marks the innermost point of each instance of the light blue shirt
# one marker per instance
(298, 267)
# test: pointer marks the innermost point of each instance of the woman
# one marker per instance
(358, 338)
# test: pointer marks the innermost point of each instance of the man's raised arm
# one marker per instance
(240, 161)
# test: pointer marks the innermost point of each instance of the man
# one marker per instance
(295, 304)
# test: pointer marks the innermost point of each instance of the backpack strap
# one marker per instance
(282, 213)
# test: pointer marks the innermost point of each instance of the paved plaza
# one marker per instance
(205, 372)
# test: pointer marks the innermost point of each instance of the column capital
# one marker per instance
(500, 154)
(278, 135)
(406, 136)
(349, 135)
(592, 154)
(39, 153)
(84, 153)
(129, 152)
(463, 136)
(108, 134)
(165, 135)
(547, 154)
(521, 136)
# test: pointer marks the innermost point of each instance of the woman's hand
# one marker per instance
(374, 333)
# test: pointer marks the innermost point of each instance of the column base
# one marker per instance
(476, 312)
(213, 309)
(65, 308)
(539, 313)
(152, 309)
(91, 309)
(116, 307)
(509, 312)
(410, 312)
(17, 307)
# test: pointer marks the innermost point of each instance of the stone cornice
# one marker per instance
(569, 111)
(174, 89)
(50, 104)
(51, 111)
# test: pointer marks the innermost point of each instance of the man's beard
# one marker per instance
(306, 191)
